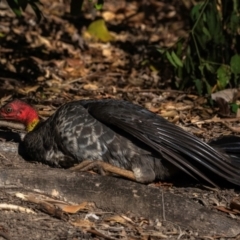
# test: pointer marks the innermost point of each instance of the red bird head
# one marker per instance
(19, 111)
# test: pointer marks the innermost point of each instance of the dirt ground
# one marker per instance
(55, 61)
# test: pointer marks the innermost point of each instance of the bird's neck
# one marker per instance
(31, 119)
(32, 124)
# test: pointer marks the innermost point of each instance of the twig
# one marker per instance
(147, 90)
(163, 208)
(13, 207)
(3, 157)
(234, 129)
(13, 125)
(217, 120)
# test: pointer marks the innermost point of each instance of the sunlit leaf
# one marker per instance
(99, 31)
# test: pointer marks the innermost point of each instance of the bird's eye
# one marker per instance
(8, 109)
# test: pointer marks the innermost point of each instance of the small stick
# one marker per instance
(16, 126)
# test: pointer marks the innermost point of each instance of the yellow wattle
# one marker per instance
(32, 125)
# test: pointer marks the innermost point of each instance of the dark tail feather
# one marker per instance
(229, 145)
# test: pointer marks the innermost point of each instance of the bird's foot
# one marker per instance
(104, 169)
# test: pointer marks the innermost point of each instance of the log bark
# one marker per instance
(111, 194)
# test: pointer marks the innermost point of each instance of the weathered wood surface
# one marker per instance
(111, 194)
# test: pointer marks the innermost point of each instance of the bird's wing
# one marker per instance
(179, 147)
(230, 145)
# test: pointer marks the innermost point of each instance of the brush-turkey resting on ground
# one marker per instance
(124, 135)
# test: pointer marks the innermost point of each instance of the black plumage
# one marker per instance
(127, 136)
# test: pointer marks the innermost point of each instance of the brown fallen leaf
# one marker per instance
(83, 223)
(90, 86)
(171, 113)
(53, 206)
(118, 219)
(75, 208)
(27, 90)
(235, 204)
(228, 95)
(224, 209)
(122, 219)
(53, 210)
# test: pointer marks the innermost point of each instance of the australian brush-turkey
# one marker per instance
(121, 134)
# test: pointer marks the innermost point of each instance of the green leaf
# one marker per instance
(169, 57)
(176, 59)
(195, 12)
(15, 7)
(235, 64)
(187, 64)
(208, 86)
(210, 68)
(223, 75)
(179, 48)
(145, 62)
(201, 40)
(234, 107)
(199, 86)
(204, 17)
(161, 50)
(234, 21)
(99, 5)
(207, 33)
(99, 31)
(201, 68)
(211, 19)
